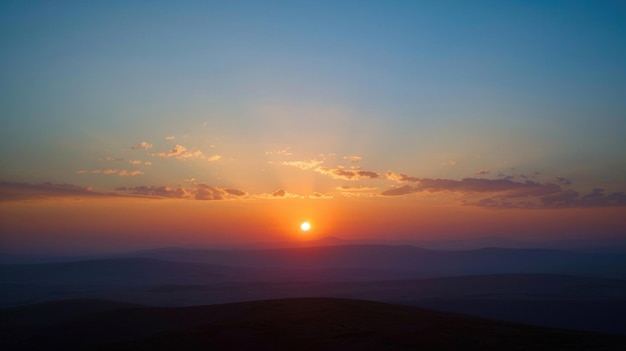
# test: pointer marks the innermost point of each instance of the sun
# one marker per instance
(305, 226)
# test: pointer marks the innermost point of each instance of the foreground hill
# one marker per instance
(288, 324)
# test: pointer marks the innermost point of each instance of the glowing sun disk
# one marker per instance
(305, 226)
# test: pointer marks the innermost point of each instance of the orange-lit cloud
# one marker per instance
(318, 195)
(354, 159)
(181, 152)
(347, 174)
(279, 194)
(481, 171)
(351, 188)
(285, 152)
(109, 158)
(305, 165)
(110, 171)
(400, 177)
(198, 191)
(142, 145)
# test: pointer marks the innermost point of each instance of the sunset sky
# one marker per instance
(129, 125)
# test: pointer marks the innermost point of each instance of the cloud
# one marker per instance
(10, 191)
(355, 188)
(199, 191)
(305, 165)
(474, 185)
(347, 174)
(206, 192)
(562, 199)
(563, 181)
(478, 185)
(109, 158)
(214, 158)
(339, 172)
(284, 152)
(235, 192)
(158, 191)
(125, 173)
(401, 190)
(279, 193)
(400, 177)
(110, 171)
(142, 145)
(170, 137)
(317, 195)
(450, 163)
(178, 150)
(181, 152)
(134, 162)
(482, 171)
(354, 159)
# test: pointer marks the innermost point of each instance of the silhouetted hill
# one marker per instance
(296, 324)
(52, 312)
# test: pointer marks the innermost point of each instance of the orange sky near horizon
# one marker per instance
(81, 225)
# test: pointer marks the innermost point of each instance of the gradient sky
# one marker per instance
(150, 123)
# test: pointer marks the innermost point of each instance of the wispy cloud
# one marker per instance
(284, 152)
(156, 191)
(181, 152)
(353, 159)
(109, 158)
(563, 181)
(197, 191)
(317, 195)
(110, 171)
(10, 191)
(305, 165)
(347, 174)
(355, 188)
(142, 145)
(279, 194)
(139, 162)
(401, 177)
(399, 190)
(170, 137)
(177, 151)
(474, 185)
(481, 171)
(125, 173)
(506, 193)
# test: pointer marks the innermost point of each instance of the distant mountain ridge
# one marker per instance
(603, 245)
(421, 262)
(424, 262)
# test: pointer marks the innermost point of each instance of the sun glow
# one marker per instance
(305, 226)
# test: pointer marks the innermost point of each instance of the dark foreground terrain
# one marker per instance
(285, 324)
